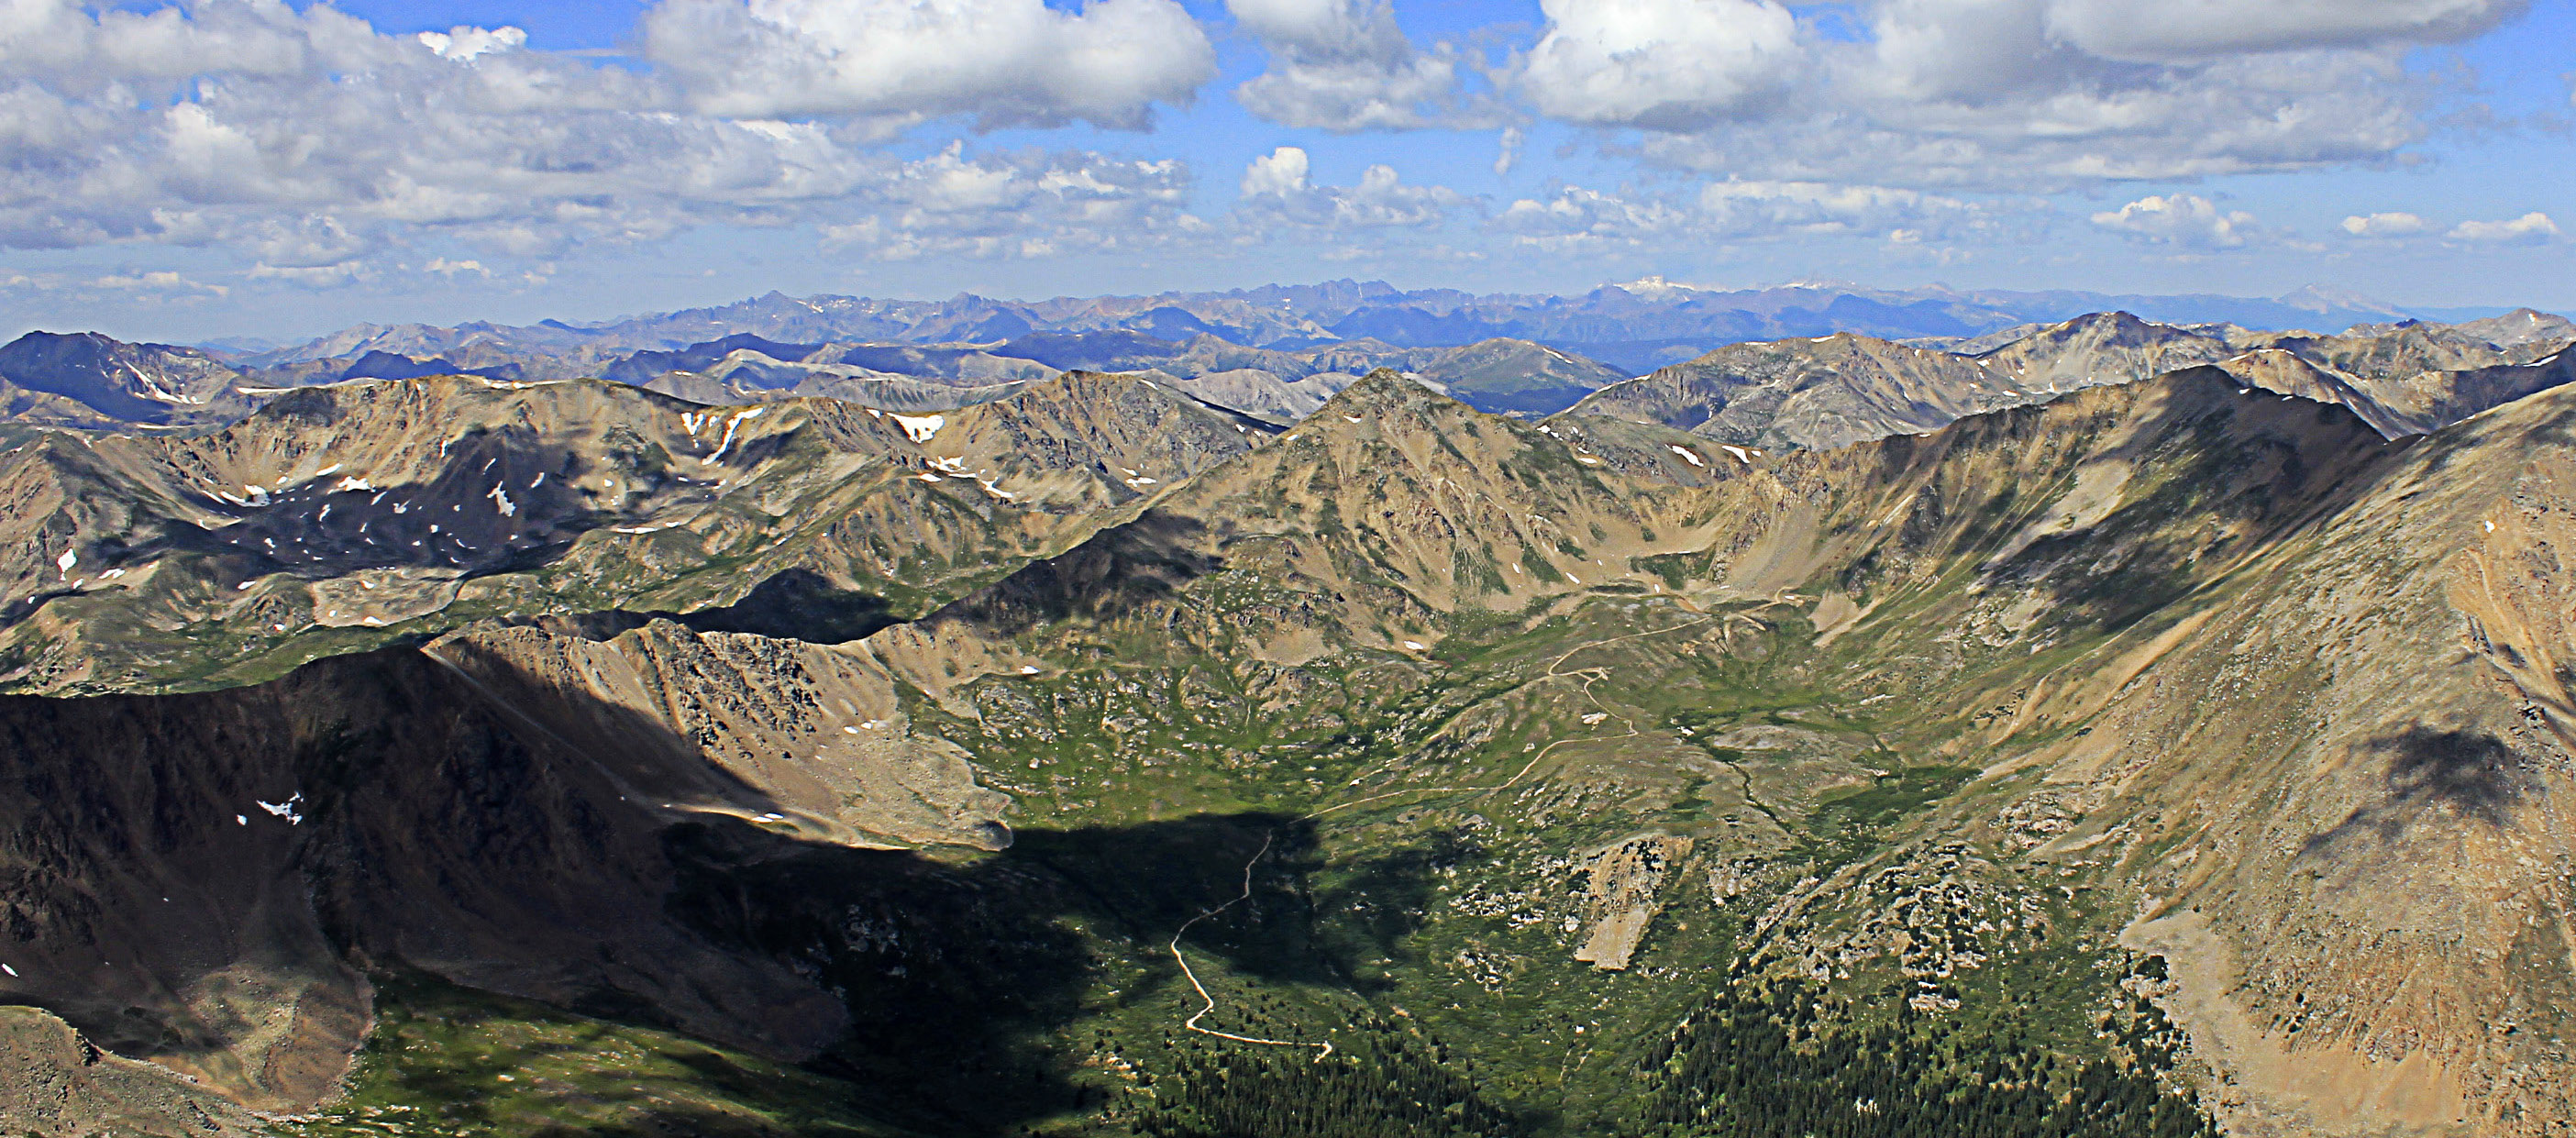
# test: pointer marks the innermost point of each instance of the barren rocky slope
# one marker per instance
(2169, 750)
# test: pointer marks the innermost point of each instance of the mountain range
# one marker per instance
(2098, 726)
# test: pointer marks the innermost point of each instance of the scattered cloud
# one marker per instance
(1020, 205)
(312, 276)
(2529, 229)
(315, 144)
(2056, 95)
(1746, 209)
(1277, 193)
(163, 282)
(2384, 225)
(1739, 211)
(318, 151)
(1575, 219)
(2184, 221)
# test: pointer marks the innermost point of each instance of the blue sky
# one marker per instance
(251, 168)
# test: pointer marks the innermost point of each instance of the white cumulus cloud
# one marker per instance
(1343, 65)
(465, 42)
(2187, 221)
(2196, 29)
(2529, 229)
(2396, 224)
(1006, 62)
(1658, 64)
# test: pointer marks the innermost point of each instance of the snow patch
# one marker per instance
(71, 557)
(920, 428)
(287, 809)
(501, 501)
(352, 485)
(1738, 452)
(1414, 646)
(731, 425)
(1687, 456)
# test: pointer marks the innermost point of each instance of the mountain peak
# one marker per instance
(2322, 299)
(1386, 389)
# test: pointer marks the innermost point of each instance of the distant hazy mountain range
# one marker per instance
(1635, 326)
(1277, 353)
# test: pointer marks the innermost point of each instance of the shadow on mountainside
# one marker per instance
(796, 604)
(2432, 771)
(2229, 477)
(1115, 572)
(504, 833)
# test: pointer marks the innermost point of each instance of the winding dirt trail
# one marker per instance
(1555, 670)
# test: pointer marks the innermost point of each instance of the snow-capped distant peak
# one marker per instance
(1654, 286)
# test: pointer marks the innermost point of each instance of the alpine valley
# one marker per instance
(1322, 711)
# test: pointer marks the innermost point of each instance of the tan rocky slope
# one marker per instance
(2334, 786)
(1383, 512)
(341, 515)
(1395, 507)
(2286, 695)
